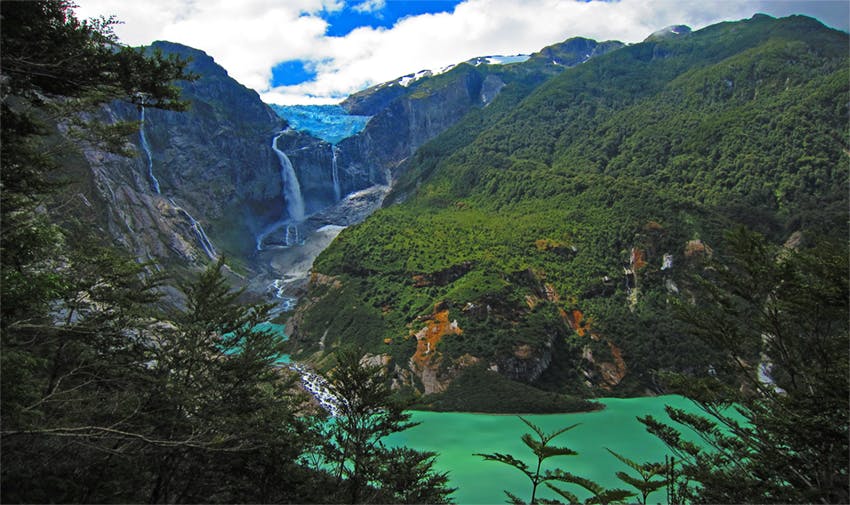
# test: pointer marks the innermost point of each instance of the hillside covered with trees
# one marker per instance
(556, 236)
(585, 233)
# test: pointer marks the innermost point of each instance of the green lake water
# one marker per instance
(277, 330)
(456, 436)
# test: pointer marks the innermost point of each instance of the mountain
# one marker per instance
(344, 175)
(540, 240)
(190, 177)
(228, 177)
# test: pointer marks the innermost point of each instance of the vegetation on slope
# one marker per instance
(652, 150)
(108, 397)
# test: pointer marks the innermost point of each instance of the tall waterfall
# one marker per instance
(335, 172)
(206, 245)
(147, 148)
(291, 187)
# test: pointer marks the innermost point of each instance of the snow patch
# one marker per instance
(409, 79)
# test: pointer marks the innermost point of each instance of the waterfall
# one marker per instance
(293, 200)
(291, 235)
(291, 188)
(147, 148)
(206, 245)
(335, 172)
(319, 388)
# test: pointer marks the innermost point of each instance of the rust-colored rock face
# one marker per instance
(426, 361)
(637, 259)
(428, 337)
(579, 324)
(697, 248)
(613, 372)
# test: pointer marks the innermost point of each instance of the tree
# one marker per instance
(543, 451)
(780, 315)
(367, 470)
(218, 399)
(645, 485)
(55, 67)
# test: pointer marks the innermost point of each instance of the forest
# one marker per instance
(111, 395)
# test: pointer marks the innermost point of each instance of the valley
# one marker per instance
(638, 247)
(543, 205)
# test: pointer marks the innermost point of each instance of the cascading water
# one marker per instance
(206, 245)
(335, 173)
(291, 234)
(291, 187)
(293, 199)
(318, 388)
(147, 148)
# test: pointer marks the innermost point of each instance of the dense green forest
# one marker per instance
(110, 395)
(584, 208)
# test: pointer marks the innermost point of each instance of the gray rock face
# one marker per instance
(404, 118)
(213, 168)
(526, 364)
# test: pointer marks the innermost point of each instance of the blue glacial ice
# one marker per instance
(330, 123)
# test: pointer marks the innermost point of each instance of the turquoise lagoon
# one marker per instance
(457, 436)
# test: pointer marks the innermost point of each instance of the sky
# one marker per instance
(320, 51)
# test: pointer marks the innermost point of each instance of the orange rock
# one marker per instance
(697, 247)
(613, 373)
(576, 321)
(436, 327)
(653, 226)
(420, 281)
(637, 259)
(551, 293)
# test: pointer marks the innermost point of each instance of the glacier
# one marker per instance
(330, 123)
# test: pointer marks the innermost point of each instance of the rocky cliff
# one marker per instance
(199, 183)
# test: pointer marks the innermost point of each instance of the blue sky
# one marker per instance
(375, 15)
(343, 21)
(319, 51)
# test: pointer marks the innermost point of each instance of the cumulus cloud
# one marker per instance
(250, 37)
(369, 6)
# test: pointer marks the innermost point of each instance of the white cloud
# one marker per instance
(250, 37)
(370, 6)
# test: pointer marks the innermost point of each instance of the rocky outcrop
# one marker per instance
(427, 361)
(525, 363)
(573, 51)
(410, 111)
(605, 374)
(408, 117)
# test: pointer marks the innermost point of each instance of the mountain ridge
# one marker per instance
(579, 213)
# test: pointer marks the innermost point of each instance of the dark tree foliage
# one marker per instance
(539, 445)
(542, 450)
(129, 408)
(366, 470)
(788, 442)
(104, 397)
(54, 67)
(651, 476)
(107, 396)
